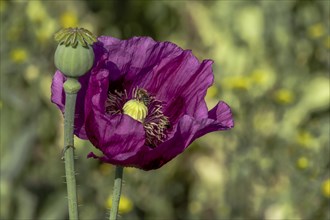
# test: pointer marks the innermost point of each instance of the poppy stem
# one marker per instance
(116, 192)
(71, 87)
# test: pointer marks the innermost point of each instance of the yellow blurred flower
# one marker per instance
(326, 188)
(44, 25)
(46, 30)
(36, 11)
(284, 96)
(125, 204)
(68, 19)
(3, 6)
(44, 86)
(31, 73)
(327, 42)
(303, 163)
(130, 169)
(211, 92)
(238, 82)
(305, 139)
(105, 169)
(18, 55)
(259, 77)
(316, 30)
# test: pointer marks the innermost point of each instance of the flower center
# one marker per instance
(136, 110)
(144, 108)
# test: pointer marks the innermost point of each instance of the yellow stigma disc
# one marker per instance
(136, 110)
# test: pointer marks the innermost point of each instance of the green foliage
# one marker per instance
(271, 66)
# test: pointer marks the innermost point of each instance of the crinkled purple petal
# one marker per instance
(222, 116)
(172, 74)
(188, 129)
(181, 82)
(58, 95)
(118, 137)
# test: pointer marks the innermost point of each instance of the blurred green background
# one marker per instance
(271, 66)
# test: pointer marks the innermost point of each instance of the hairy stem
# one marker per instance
(71, 88)
(116, 193)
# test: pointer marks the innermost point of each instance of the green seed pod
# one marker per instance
(74, 62)
(74, 56)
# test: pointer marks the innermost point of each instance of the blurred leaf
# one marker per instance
(19, 153)
(55, 207)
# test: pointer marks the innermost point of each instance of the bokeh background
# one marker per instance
(271, 66)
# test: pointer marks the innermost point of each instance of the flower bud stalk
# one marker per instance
(116, 193)
(74, 57)
(70, 104)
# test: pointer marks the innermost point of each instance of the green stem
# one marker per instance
(116, 193)
(71, 87)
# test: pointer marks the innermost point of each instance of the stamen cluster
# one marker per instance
(155, 122)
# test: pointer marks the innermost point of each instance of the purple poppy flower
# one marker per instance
(142, 103)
